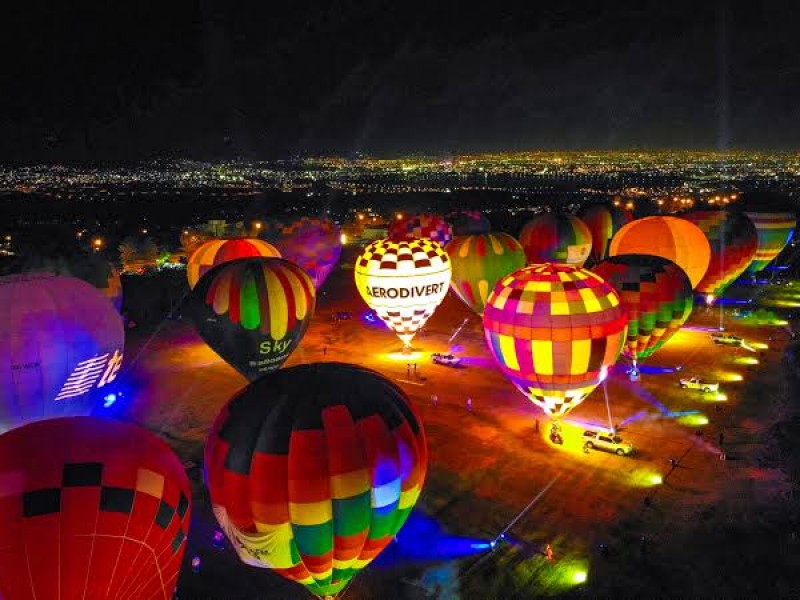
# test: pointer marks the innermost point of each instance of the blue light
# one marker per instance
(109, 399)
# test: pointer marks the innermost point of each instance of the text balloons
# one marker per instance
(677, 240)
(253, 312)
(603, 222)
(556, 238)
(656, 295)
(554, 330)
(416, 227)
(479, 262)
(216, 252)
(733, 241)
(403, 282)
(60, 340)
(314, 244)
(314, 469)
(91, 508)
(774, 232)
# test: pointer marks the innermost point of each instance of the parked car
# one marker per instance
(727, 339)
(695, 383)
(606, 441)
(446, 359)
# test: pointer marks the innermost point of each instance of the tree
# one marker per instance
(128, 253)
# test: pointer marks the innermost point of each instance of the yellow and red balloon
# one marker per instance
(216, 252)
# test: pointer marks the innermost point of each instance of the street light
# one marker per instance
(97, 243)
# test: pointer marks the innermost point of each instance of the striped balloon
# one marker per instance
(314, 244)
(314, 469)
(656, 295)
(733, 240)
(253, 312)
(553, 330)
(217, 252)
(479, 262)
(556, 238)
(417, 227)
(774, 232)
(603, 222)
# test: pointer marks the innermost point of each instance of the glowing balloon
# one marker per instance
(553, 330)
(656, 295)
(314, 469)
(403, 282)
(556, 238)
(314, 244)
(677, 240)
(415, 227)
(91, 508)
(774, 232)
(733, 240)
(60, 340)
(468, 222)
(253, 312)
(479, 262)
(603, 222)
(217, 252)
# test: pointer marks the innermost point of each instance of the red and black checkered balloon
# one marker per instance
(92, 509)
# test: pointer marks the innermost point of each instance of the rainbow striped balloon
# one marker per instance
(556, 238)
(479, 262)
(253, 312)
(217, 252)
(774, 232)
(553, 330)
(314, 469)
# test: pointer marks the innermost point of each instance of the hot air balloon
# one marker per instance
(553, 330)
(253, 312)
(403, 282)
(217, 252)
(774, 232)
(416, 227)
(603, 222)
(675, 239)
(91, 508)
(656, 295)
(733, 240)
(314, 244)
(468, 222)
(60, 340)
(314, 469)
(556, 238)
(479, 262)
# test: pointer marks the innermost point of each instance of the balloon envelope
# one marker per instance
(479, 262)
(91, 508)
(774, 232)
(216, 252)
(403, 282)
(556, 238)
(603, 222)
(313, 470)
(60, 340)
(656, 295)
(677, 240)
(733, 240)
(553, 330)
(253, 312)
(416, 227)
(314, 244)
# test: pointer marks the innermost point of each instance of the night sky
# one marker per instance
(132, 81)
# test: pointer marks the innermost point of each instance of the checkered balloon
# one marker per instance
(415, 227)
(553, 329)
(403, 282)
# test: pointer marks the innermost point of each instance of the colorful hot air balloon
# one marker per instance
(403, 282)
(468, 222)
(556, 238)
(314, 469)
(603, 222)
(416, 227)
(733, 240)
(656, 295)
(314, 244)
(217, 252)
(90, 508)
(479, 262)
(774, 232)
(553, 330)
(60, 340)
(677, 240)
(253, 312)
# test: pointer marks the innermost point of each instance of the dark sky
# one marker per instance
(136, 80)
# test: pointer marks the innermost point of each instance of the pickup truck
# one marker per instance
(695, 383)
(726, 339)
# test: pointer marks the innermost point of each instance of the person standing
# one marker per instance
(435, 400)
(469, 404)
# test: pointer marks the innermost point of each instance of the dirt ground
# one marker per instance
(631, 526)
